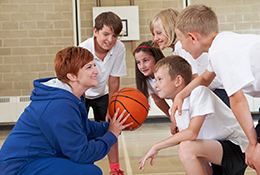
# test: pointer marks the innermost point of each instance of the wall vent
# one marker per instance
(4, 100)
(24, 99)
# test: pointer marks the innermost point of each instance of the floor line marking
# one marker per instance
(178, 173)
(126, 156)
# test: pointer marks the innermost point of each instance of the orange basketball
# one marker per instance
(133, 101)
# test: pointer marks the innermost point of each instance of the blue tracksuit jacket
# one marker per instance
(55, 124)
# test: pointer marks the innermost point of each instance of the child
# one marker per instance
(209, 132)
(54, 135)
(109, 57)
(162, 28)
(146, 57)
(233, 57)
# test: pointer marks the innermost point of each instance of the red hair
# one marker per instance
(70, 60)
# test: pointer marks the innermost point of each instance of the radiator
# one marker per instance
(13, 106)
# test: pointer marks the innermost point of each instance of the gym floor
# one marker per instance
(134, 144)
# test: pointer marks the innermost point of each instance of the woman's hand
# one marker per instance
(117, 124)
(133, 129)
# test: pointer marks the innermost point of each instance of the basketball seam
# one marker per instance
(133, 100)
(125, 109)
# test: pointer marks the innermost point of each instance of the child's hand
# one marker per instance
(174, 129)
(116, 124)
(255, 159)
(176, 106)
(152, 153)
(250, 153)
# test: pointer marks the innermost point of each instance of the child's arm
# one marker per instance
(113, 85)
(162, 104)
(205, 79)
(190, 133)
(240, 108)
(194, 76)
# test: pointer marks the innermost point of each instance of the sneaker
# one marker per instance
(117, 172)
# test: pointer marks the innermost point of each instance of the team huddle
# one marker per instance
(206, 78)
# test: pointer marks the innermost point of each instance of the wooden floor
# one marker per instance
(134, 144)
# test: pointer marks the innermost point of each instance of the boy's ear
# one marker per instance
(193, 36)
(72, 77)
(178, 80)
(95, 31)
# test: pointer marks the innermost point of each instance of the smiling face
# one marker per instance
(145, 63)
(165, 85)
(159, 36)
(87, 75)
(105, 38)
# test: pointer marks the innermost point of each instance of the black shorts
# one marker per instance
(99, 106)
(233, 160)
(222, 94)
(257, 128)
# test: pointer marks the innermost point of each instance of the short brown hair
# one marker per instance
(70, 60)
(177, 66)
(197, 18)
(166, 19)
(109, 19)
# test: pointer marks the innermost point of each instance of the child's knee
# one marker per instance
(185, 150)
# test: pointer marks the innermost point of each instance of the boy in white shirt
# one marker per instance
(208, 130)
(109, 58)
(234, 58)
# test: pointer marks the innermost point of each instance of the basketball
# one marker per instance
(133, 101)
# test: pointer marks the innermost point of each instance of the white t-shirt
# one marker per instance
(235, 58)
(199, 65)
(150, 85)
(219, 124)
(186, 55)
(113, 64)
(202, 63)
